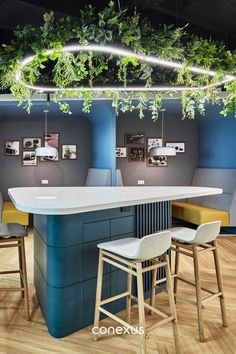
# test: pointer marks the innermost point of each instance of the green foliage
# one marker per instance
(90, 69)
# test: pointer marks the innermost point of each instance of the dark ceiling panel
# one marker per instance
(210, 18)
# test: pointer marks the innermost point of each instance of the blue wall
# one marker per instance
(217, 139)
(103, 120)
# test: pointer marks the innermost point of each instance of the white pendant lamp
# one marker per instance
(162, 150)
(46, 151)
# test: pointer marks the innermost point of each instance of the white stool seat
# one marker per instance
(205, 233)
(126, 247)
(183, 234)
(148, 247)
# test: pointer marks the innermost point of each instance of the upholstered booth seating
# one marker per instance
(210, 208)
(98, 177)
(9, 214)
(119, 178)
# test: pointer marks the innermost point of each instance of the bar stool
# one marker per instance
(12, 235)
(128, 254)
(193, 243)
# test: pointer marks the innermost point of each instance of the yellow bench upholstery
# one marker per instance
(11, 215)
(199, 214)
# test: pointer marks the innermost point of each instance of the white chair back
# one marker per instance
(98, 177)
(207, 232)
(154, 245)
(119, 178)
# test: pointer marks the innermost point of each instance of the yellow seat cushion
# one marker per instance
(11, 215)
(199, 214)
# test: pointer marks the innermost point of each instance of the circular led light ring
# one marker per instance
(123, 53)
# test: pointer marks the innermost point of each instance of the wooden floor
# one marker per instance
(17, 336)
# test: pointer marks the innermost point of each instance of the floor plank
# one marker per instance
(22, 337)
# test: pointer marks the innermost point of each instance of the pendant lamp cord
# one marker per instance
(162, 126)
(46, 122)
(162, 123)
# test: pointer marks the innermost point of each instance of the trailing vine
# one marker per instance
(91, 69)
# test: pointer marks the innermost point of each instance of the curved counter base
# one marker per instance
(66, 257)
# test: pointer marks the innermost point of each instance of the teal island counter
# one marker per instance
(69, 222)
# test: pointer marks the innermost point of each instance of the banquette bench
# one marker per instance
(9, 214)
(210, 208)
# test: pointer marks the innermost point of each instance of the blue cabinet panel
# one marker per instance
(91, 253)
(62, 307)
(59, 230)
(59, 266)
(96, 230)
(122, 226)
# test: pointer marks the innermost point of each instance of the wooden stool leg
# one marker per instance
(128, 299)
(177, 255)
(198, 293)
(24, 271)
(141, 307)
(20, 267)
(220, 286)
(153, 290)
(98, 292)
(172, 304)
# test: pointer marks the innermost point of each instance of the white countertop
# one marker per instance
(73, 200)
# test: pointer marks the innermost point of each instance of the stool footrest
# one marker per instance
(185, 299)
(153, 309)
(10, 271)
(161, 323)
(12, 289)
(211, 297)
(193, 284)
(114, 298)
(117, 319)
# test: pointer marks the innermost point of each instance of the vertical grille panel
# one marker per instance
(152, 217)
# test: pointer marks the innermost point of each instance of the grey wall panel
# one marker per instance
(73, 130)
(180, 167)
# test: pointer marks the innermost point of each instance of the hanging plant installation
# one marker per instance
(121, 57)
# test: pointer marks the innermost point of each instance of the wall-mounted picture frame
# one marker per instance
(180, 146)
(31, 143)
(69, 152)
(52, 140)
(29, 158)
(121, 151)
(154, 142)
(137, 154)
(12, 147)
(50, 158)
(157, 161)
(134, 139)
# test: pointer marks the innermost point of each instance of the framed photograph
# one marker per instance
(50, 158)
(69, 152)
(31, 143)
(134, 139)
(51, 139)
(12, 148)
(153, 142)
(180, 147)
(157, 161)
(137, 154)
(29, 158)
(121, 152)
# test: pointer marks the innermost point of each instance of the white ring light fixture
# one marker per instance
(123, 53)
